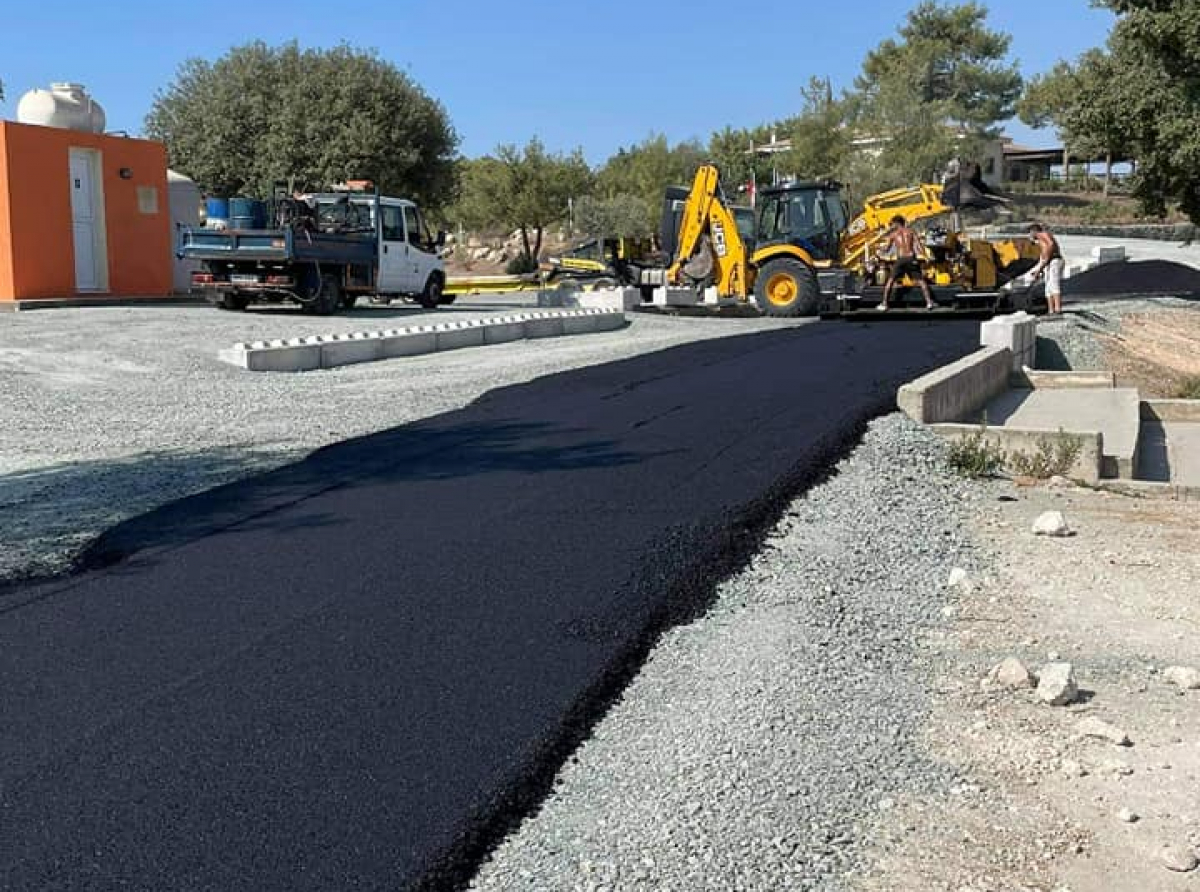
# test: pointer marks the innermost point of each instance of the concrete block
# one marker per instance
(543, 325)
(611, 299)
(558, 297)
(349, 349)
(958, 391)
(674, 296)
(415, 340)
(501, 331)
(1110, 254)
(1016, 332)
(456, 335)
(579, 324)
(610, 321)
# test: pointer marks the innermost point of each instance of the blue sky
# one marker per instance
(595, 75)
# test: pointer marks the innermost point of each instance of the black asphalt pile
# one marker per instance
(359, 671)
(1133, 278)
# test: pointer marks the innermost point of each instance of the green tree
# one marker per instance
(1142, 97)
(619, 215)
(261, 114)
(820, 137)
(646, 169)
(522, 188)
(936, 93)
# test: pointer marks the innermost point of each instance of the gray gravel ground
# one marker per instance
(757, 744)
(110, 412)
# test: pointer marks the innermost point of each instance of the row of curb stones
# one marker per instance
(332, 350)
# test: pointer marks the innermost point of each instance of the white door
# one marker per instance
(394, 275)
(87, 218)
(421, 252)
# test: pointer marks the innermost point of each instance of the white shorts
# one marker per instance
(1054, 271)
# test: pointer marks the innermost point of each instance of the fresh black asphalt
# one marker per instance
(357, 671)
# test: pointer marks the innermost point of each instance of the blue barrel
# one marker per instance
(247, 213)
(216, 212)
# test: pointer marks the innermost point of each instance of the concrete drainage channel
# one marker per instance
(332, 350)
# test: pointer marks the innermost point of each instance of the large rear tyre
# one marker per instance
(787, 287)
(328, 298)
(432, 295)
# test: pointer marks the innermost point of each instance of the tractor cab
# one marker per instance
(808, 215)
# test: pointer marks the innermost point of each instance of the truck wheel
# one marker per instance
(446, 299)
(328, 298)
(231, 301)
(432, 295)
(787, 287)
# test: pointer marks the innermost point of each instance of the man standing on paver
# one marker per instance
(1051, 263)
(907, 247)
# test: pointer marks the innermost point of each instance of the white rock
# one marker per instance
(1071, 768)
(1117, 767)
(1010, 673)
(1051, 523)
(959, 578)
(1056, 684)
(1179, 858)
(1184, 676)
(1127, 816)
(1098, 728)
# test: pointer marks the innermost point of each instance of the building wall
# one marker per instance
(37, 244)
(6, 267)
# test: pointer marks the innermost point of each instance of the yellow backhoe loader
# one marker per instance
(805, 255)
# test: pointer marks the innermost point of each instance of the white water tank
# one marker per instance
(63, 105)
(185, 204)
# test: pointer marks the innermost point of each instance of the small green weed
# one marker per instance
(1053, 457)
(974, 456)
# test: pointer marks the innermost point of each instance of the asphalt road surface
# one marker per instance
(356, 672)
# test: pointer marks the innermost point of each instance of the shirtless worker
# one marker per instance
(1051, 263)
(908, 248)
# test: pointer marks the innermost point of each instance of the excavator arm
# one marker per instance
(709, 249)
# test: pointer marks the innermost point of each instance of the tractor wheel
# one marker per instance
(787, 287)
(432, 295)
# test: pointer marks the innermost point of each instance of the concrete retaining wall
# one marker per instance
(1034, 380)
(1088, 467)
(328, 351)
(958, 391)
(1184, 411)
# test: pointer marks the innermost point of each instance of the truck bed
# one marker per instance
(278, 245)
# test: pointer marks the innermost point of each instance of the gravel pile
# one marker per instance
(108, 413)
(1069, 343)
(757, 744)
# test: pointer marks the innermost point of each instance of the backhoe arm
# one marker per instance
(709, 248)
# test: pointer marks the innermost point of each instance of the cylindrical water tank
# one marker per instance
(216, 213)
(63, 105)
(247, 213)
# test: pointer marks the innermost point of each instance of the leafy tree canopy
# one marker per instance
(524, 188)
(936, 93)
(262, 114)
(644, 170)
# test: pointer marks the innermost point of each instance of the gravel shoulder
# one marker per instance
(109, 412)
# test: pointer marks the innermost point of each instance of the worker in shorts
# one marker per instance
(907, 246)
(1050, 264)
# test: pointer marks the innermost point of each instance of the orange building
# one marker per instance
(82, 214)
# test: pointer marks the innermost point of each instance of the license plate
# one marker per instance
(244, 279)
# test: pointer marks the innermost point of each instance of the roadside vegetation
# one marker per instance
(976, 456)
